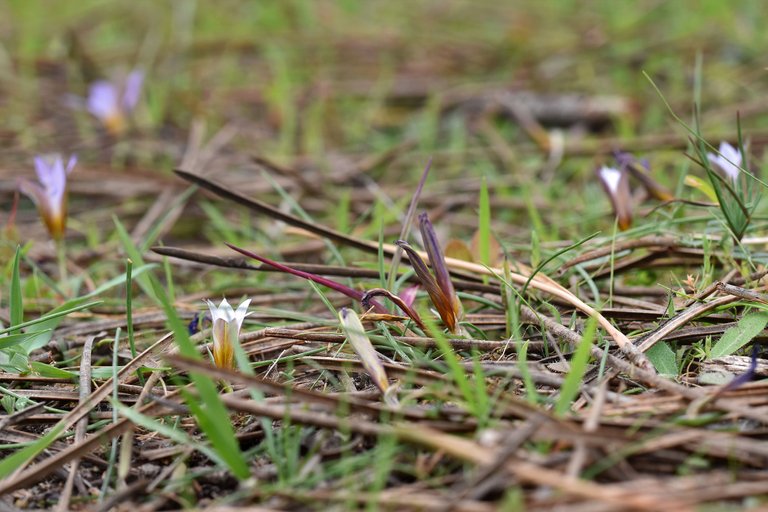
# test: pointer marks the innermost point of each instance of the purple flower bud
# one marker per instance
(50, 194)
(439, 286)
(112, 102)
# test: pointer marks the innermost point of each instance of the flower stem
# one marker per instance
(61, 253)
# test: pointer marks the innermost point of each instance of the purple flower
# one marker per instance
(111, 102)
(409, 294)
(50, 194)
(226, 331)
(728, 161)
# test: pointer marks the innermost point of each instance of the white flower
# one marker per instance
(610, 177)
(616, 185)
(226, 330)
(728, 160)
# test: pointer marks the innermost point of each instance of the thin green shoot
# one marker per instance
(17, 299)
(135, 255)
(176, 435)
(612, 261)
(129, 305)
(484, 227)
(322, 296)
(578, 367)
(522, 363)
(20, 458)
(303, 215)
(61, 256)
(455, 368)
(115, 399)
(555, 255)
(49, 316)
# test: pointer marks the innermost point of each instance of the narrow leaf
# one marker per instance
(333, 285)
(484, 226)
(17, 300)
(11, 463)
(355, 333)
(578, 367)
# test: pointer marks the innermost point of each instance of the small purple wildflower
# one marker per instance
(50, 194)
(195, 324)
(112, 102)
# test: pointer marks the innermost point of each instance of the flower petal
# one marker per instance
(103, 100)
(223, 352)
(242, 311)
(610, 177)
(214, 310)
(362, 345)
(43, 169)
(728, 160)
(437, 261)
(409, 294)
(226, 312)
(441, 302)
(37, 193)
(50, 194)
(71, 163)
(132, 90)
(616, 185)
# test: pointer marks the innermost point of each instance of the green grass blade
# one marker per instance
(454, 365)
(135, 255)
(12, 462)
(174, 434)
(578, 366)
(484, 227)
(484, 224)
(212, 415)
(56, 313)
(17, 300)
(16, 339)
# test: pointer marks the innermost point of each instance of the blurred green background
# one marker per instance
(325, 81)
